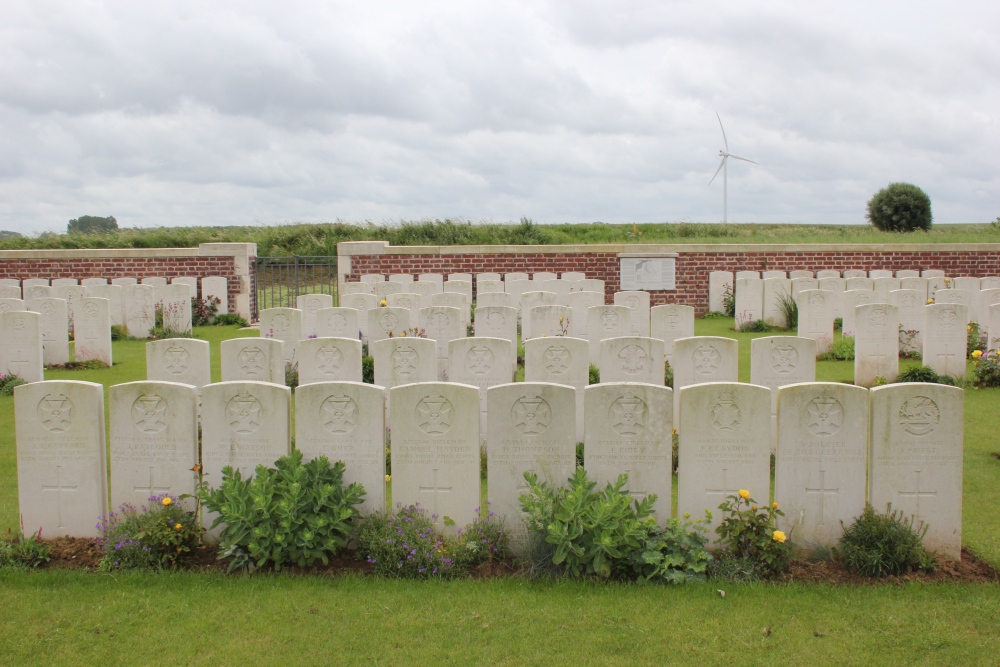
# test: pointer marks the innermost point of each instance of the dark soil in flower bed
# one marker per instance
(83, 554)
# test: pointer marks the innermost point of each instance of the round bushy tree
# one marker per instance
(900, 207)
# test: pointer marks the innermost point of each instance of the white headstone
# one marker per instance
(345, 421)
(819, 478)
(701, 359)
(190, 281)
(882, 287)
(10, 292)
(632, 359)
(516, 288)
(371, 278)
(9, 304)
(139, 309)
(383, 290)
(907, 273)
(606, 322)
(875, 274)
(32, 292)
(284, 324)
(498, 322)
(988, 298)
(855, 273)
(179, 360)
(93, 282)
(796, 275)
(852, 299)
(488, 287)
(216, 287)
(310, 304)
(10, 282)
(550, 321)
(507, 277)
(934, 284)
(638, 303)
(629, 429)
(387, 322)
(64, 282)
(836, 287)
(560, 360)
(766, 275)
(776, 292)
(154, 442)
(670, 322)
(749, 300)
(431, 278)
(994, 327)
(55, 338)
(530, 430)
(405, 278)
(487, 299)
(62, 479)
(816, 317)
(945, 338)
(348, 289)
(113, 293)
(362, 303)
(558, 287)
(125, 281)
(573, 275)
(436, 450)
(329, 360)
(802, 284)
(989, 282)
(725, 446)
(252, 360)
(579, 303)
(932, 273)
(35, 282)
(21, 345)
(72, 294)
(176, 307)
(457, 300)
(776, 361)
(407, 301)
(406, 360)
(482, 363)
(530, 300)
(337, 323)
(542, 276)
(442, 325)
(958, 296)
(744, 275)
(914, 283)
(827, 273)
(876, 343)
(592, 285)
(93, 331)
(916, 458)
(244, 425)
(426, 290)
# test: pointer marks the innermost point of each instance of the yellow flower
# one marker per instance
(388, 478)
(774, 505)
(778, 536)
(544, 336)
(977, 353)
(382, 302)
(753, 508)
(402, 335)
(178, 527)
(166, 500)
(744, 494)
(930, 301)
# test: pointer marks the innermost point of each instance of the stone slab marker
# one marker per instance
(994, 327)
(426, 290)
(190, 281)
(725, 446)
(284, 324)
(802, 284)
(337, 323)
(773, 274)
(749, 300)
(560, 360)
(10, 292)
(989, 282)
(442, 325)
(310, 304)
(62, 481)
(740, 275)
(72, 294)
(33, 282)
(858, 283)
(932, 273)
(329, 360)
(579, 303)
(800, 274)
(875, 274)
(139, 309)
(252, 360)
(592, 285)
(916, 458)
(776, 361)
(638, 303)
(670, 322)
(482, 363)
(113, 293)
(988, 298)
(507, 277)
(64, 282)
(21, 345)
(776, 290)
(459, 287)
(820, 463)
(407, 300)
(124, 281)
(934, 284)
(876, 343)
(488, 299)
(383, 290)
(405, 278)
(348, 289)
(216, 287)
(92, 340)
(915, 283)
(632, 359)
(176, 307)
(606, 322)
(945, 338)
(550, 320)
(498, 322)
(361, 303)
(435, 450)
(244, 425)
(542, 276)
(958, 296)
(816, 317)
(154, 441)
(630, 430)
(488, 286)
(882, 287)
(516, 288)
(55, 337)
(530, 300)
(406, 360)
(345, 421)
(531, 429)
(906, 273)
(836, 287)
(558, 287)
(827, 273)
(386, 322)
(457, 300)
(372, 278)
(702, 359)
(33, 292)
(8, 305)
(911, 314)
(179, 360)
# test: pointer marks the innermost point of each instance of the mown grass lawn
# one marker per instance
(64, 617)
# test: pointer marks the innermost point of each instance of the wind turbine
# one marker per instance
(722, 167)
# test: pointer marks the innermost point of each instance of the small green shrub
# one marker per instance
(842, 349)
(900, 207)
(975, 340)
(229, 319)
(368, 369)
(923, 374)
(668, 375)
(8, 382)
(748, 535)
(790, 309)
(119, 332)
(580, 454)
(582, 531)
(728, 301)
(986, 369)
(292, 374)
(203, 311)
(675, 554)
(292, 513)
(880, 545)
(755, 326)
(838, 324)
(713, 315)
(594, 375)
(157, 536)
(20, 552)
(159, 333)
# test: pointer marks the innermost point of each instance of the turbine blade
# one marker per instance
(723, 131)
(737, 157)
(717, 170)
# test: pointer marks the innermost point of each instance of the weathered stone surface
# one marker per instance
(113, 293)
(560, 360)
(362, 303)
(579, 302)
(139, 309)
(55, 337)
(216, 287)
(252, 360)
(776, 361)
(284, 324)
(92, 338)
(776, 291)
(21, 350)
(407, 360)
(531, 300)
(337, 323)
(481, 363)
(816, 317)
(638, 304)
(910, 304)
(310, 304)
(387, 322)
(718, 281)
(632, 359)
(606, 322)
(329, 360)
(550, 321)
(177, 307)
(945, 338)
(876, 343)
(179, 360)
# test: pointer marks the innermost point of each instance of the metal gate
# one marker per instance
(279, 280)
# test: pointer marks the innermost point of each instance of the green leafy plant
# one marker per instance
(975, 340)
(368, 369)
(842, 349)
(728, 300)
(8, 382)
(713, 315)
(747, 534)
(755, 326)
(594, 375)
(675, 554)
(880, 381)
(292, 374)
(838, 324)
(907, 347)
(923, 374)
(293, 513)
(582, 531)
(485, 540)
(156, 536)
(789, 308)
(119, 332)
(900, 207)
(18, 551)
(668, 374)
(880, 545)
(986, 369)
(203, 311)
(229, 319)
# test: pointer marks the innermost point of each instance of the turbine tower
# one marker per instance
(722, 167)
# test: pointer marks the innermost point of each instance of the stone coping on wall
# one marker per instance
(358, 248)
(204, 250)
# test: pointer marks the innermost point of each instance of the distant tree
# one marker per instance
(90, 224)
(6, 234)
(900, 207)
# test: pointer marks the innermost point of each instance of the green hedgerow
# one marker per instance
(879, 545)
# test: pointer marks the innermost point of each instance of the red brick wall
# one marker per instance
(692, 268)
(124, 267)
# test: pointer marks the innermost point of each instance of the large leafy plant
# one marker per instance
(293, 513)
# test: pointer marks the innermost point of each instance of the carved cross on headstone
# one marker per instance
(58, 489)
(725, 486)
(946, 357)
(882, 359)
(152, 489)
(823, 492)
(436, 490)
(15, 363)
(917, 492)
(636, 493)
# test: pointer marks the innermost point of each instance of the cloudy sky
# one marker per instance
(193, 113)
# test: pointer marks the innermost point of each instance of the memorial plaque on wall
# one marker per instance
(647, 273)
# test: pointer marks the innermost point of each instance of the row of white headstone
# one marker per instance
(31, 340)
(838, 447)
(211, 286)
